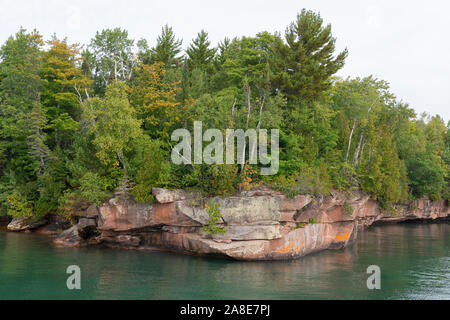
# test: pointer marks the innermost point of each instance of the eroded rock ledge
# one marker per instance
(261, 224)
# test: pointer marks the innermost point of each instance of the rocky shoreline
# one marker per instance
(260, 224)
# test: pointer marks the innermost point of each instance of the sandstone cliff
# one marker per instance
(260, 224)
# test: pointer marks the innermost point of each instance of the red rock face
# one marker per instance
(165, 213)
(261, 224)
(287, 216)
(130, 215)
(296, 203)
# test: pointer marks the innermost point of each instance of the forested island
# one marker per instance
(79, 123)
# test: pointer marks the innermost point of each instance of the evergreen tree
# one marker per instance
(199, 53)
(167, 48)
(19, 90)
(302, 66)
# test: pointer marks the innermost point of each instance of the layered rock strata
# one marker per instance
(260, 224)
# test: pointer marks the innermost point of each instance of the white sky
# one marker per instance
(403, 42)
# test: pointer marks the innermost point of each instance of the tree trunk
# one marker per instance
(252, 152)
(232, 111)
(246, 127)
(355, 161)
(122, 162)
(350, 140)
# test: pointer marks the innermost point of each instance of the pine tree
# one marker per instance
(19, 88)
(200, 55)
(167, 48)
(38, 149)
(303, 65)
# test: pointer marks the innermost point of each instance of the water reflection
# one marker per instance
(414, 261)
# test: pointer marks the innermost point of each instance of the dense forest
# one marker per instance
(79, 122)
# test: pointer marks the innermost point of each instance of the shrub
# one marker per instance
(300, 225)
(314, 180)
(154, 171)
(246, 177)
(214, 217)
(214, 180)
(19, 206)
(343, 176)
(92, 190)
(348, 209)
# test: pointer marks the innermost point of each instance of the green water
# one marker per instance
(414, 261)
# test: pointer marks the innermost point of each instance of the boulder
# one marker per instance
(22, 224)
(86, 228)
(91, 212)
(86, 223)
(167, 196)
(69, 237)
(131, 215)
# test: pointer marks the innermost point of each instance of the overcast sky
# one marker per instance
(403, 42)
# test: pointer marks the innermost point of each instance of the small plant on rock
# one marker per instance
(348, 209)
(300, 225)
(214, 217)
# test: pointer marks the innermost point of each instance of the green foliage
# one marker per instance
(154, 100)
(287, 185)
(167, 48)
(20, 84)
(92, 189)
(212, 227)
(309, 180)
(199, 53)
(426, 175)
(343, 176)
(214, 180)
(154, 170)
(348, 209)
(300, 225)
(114, 124)
(65, 85)
(110, 57)
(19, 206)
(385, 175)
(75, 126)
(303, 65)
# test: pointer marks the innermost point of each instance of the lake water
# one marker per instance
(414, 261)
